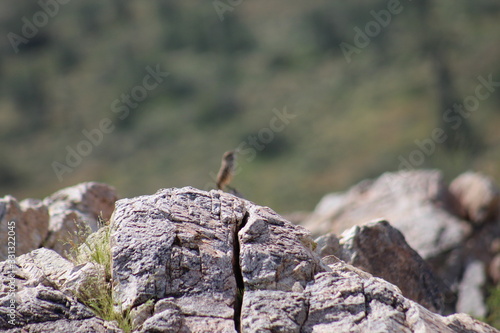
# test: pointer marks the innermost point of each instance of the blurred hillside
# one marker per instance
(229, 68)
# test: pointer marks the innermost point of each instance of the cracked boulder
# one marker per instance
(177, 245)
(198, 252)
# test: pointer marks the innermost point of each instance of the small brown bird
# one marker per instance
(226, 170)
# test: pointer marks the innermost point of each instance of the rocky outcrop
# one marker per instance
(269, 278)
(56, 220)
(186, 260)
(449, 226)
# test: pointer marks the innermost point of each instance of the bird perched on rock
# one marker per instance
(226, 170)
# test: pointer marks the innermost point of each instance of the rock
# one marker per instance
(90, 325)
(141, 313)
(278, 283)
(91, 198)
(344, 301)
(56, 220)
(83, 279)
(273, 311)
(478, 197)
(188, 245)
(186, 260)
(23, 225)
(170, 317)
(274, 254)
(470, 293)
(460, 322)
(412, 200)
(39, 267)
(189, 314)
(327, 245)
(41, 304)
(168, 320)
(373, 246)
(75, 210)
(177, 243)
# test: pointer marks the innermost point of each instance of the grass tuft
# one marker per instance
(97, 294)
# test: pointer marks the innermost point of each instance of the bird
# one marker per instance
(226, 170)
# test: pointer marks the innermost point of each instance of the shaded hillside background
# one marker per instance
(354, 120)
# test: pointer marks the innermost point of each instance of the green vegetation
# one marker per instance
(493, 303)
(354, 120)
(97, 292)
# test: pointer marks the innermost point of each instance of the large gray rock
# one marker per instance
(197, 248)
(40, 303)
(379, 249)
(177, 243)
(173, 243)
(417, 203)
(23, 225)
